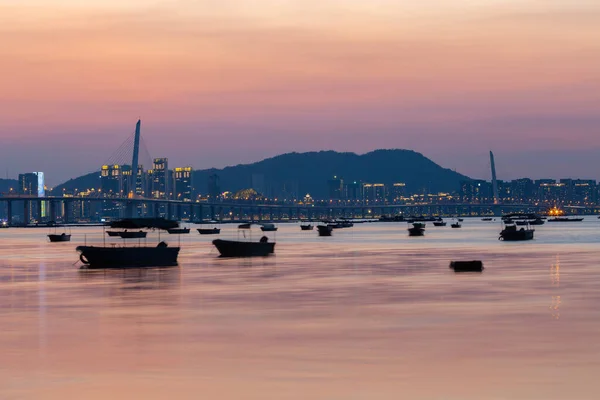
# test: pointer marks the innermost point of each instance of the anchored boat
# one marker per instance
(135, 256)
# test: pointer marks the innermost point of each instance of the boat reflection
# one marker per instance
(135, 278)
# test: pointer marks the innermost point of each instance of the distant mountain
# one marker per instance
(309, 172)
(7, 184)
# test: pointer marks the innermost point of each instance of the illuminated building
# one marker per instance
(398, 192)
(183, 183)
(374, 192)
(160, 178)
(32, 184)
(214, 187)
(111, 180)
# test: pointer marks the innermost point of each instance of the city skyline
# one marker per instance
(450, 80)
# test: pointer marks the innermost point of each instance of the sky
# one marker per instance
(223, 82)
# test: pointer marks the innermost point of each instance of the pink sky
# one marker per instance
(222, 82)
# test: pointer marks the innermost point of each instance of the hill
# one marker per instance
(302, 173)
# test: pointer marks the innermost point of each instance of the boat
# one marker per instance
(439, 223)
(418, 229)
(113, 233)
(512, 233)
(178, 231)
(209, 231)
(266, 227)
(486, 219)
(467, 266)
(132, 256)
(460, 219)
(324, 230)
(63, 237)
(308, 227)
(132, 234)
(341, 224)
(565, 219)
(456, 225)
(237, 248)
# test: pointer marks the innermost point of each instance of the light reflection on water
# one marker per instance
(367, 313)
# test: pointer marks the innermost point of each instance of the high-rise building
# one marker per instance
(214, 187)
(398, 192)
(336, 188)
(160, 179)
(523, 190)
(476, 191)
(374, 192)
(32, 184)
(183, 184)
(354, 191)
(111, 180)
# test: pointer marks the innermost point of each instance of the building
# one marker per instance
(335, 188)
(354, 191)
(476, 191)
(398, 193)
(160, 179)
(32, 184)
(523, 190)
(214, 187)
(183, 187)
(374, 192)
(111, 181)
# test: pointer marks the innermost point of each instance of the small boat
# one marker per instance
(467, 266)
(460, 219)
(308, 227)
(133, 256)
(236, 248)
(132, 234)
(63, 237)
(511, 233)
(456, 225)
(439, 223)
(418, 229)
(341, 224)
(565, 219)
(209, 231)
(268, 227)
(178, 231)
(486, 219)
(113, 233)
(324, 230)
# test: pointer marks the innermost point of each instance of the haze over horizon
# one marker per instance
(219, 83)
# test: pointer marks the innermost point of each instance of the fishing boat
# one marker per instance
(245, 248)
(126, 234)
(135, 256)
(456, 225)
(178, 231)
(439, 223)
(209, 231)
(267, 227)
(324, 230)
(307, 227)
(512, 233)
(486, 219)
(418, 229)
(341, 224)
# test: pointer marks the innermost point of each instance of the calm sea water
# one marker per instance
(369, 313)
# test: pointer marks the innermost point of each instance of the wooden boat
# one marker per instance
(439, 223)
(237, 248)
(512, 233)
(178, 231)
(486, 219)
(308, 227)
(132, 234)
(113, 233)
(209, 231)
(134, 256)
(456, 225)
(324, 230)
(63, 237)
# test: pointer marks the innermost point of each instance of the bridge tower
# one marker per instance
(495, 186)
(134, 162)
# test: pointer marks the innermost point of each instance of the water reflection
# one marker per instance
(135, 278)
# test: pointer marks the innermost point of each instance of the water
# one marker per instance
(369, 313)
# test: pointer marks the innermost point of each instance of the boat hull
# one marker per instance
(416, 231)
(128, 257)
(324, 230)
(59, 238)
(265, 229)
(306, 227)
(204, 231)
(233, 248)
(178, 231)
